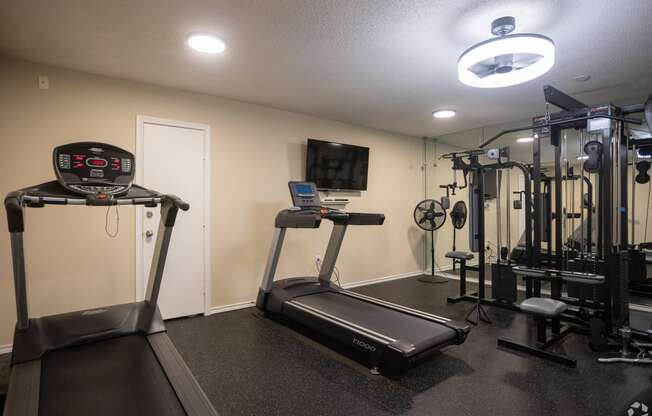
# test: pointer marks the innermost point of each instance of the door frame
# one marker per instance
(141, 279)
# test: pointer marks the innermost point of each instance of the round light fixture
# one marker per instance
(525, 139)
(205, 43)
(507, 59)
(443, 114)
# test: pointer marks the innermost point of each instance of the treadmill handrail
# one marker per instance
(311, 217)
(43, 194)
(53, 193)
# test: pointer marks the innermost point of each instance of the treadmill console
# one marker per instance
(304, 194)
(94, 169)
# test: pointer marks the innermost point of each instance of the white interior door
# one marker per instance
(173, 159)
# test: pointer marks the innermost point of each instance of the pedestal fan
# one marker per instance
(430, 215)
(458, 217)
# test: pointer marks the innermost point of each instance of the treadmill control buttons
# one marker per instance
(90, 168)
(126, 165)
(64, 161)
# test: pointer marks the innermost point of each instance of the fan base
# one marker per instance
(433, 279)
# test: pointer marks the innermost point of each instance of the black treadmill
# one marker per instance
(391, 336)
(113, 360)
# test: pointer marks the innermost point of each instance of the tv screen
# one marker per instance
(337, 166)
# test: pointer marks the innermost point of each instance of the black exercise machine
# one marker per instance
(610, 265)
(390, 336)
(546, 310)
(113, 360)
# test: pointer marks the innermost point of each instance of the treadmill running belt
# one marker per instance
(422, 333)
(118, 377)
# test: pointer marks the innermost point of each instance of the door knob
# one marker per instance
(149, 233)
(149, 214)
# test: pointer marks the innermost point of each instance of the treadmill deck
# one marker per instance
(119, 376)
(420, 332)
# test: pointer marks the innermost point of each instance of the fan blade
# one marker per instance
(440, 214)
(432, 205)
(433, 225)
(484, 68)
(423, 219)
(422, 209)
(522, 60)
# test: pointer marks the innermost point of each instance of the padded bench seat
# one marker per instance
(544, 307)
(459, 255)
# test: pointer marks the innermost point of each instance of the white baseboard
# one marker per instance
(381, 279)
(251, 303)
(5, 349)
(231, 307)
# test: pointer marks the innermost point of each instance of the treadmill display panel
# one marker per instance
(94, 168)
(304, 194)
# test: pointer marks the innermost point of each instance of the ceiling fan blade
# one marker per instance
(484, 68)
(522, 60)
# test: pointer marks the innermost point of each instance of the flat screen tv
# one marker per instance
(337, 166)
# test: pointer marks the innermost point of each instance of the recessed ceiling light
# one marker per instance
(582, 78)
(506, 60)
(525, 139)
(583, 157)
(443, 114)
(206, 43)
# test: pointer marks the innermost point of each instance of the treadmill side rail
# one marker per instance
(461, 329)
(190, 394)
(24, 389)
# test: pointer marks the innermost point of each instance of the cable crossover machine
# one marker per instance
(584, 253)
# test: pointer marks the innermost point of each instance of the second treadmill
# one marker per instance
(390, 335)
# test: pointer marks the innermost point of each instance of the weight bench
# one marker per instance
(546, 310)
(462, 257)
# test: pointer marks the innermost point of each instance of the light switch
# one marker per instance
(43, 82)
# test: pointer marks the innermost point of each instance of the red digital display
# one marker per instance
(78, 157)
(97, 162)
(77, 165)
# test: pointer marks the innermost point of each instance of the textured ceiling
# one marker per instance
(384, 64)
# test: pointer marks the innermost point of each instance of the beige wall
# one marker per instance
(253, 147)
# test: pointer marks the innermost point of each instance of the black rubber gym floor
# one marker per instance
(249, 365)
(253, 366)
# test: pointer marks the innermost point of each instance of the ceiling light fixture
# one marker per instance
(507, 59)
(443, 114)
(583, 157)
(205, 43)
(525, 139)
